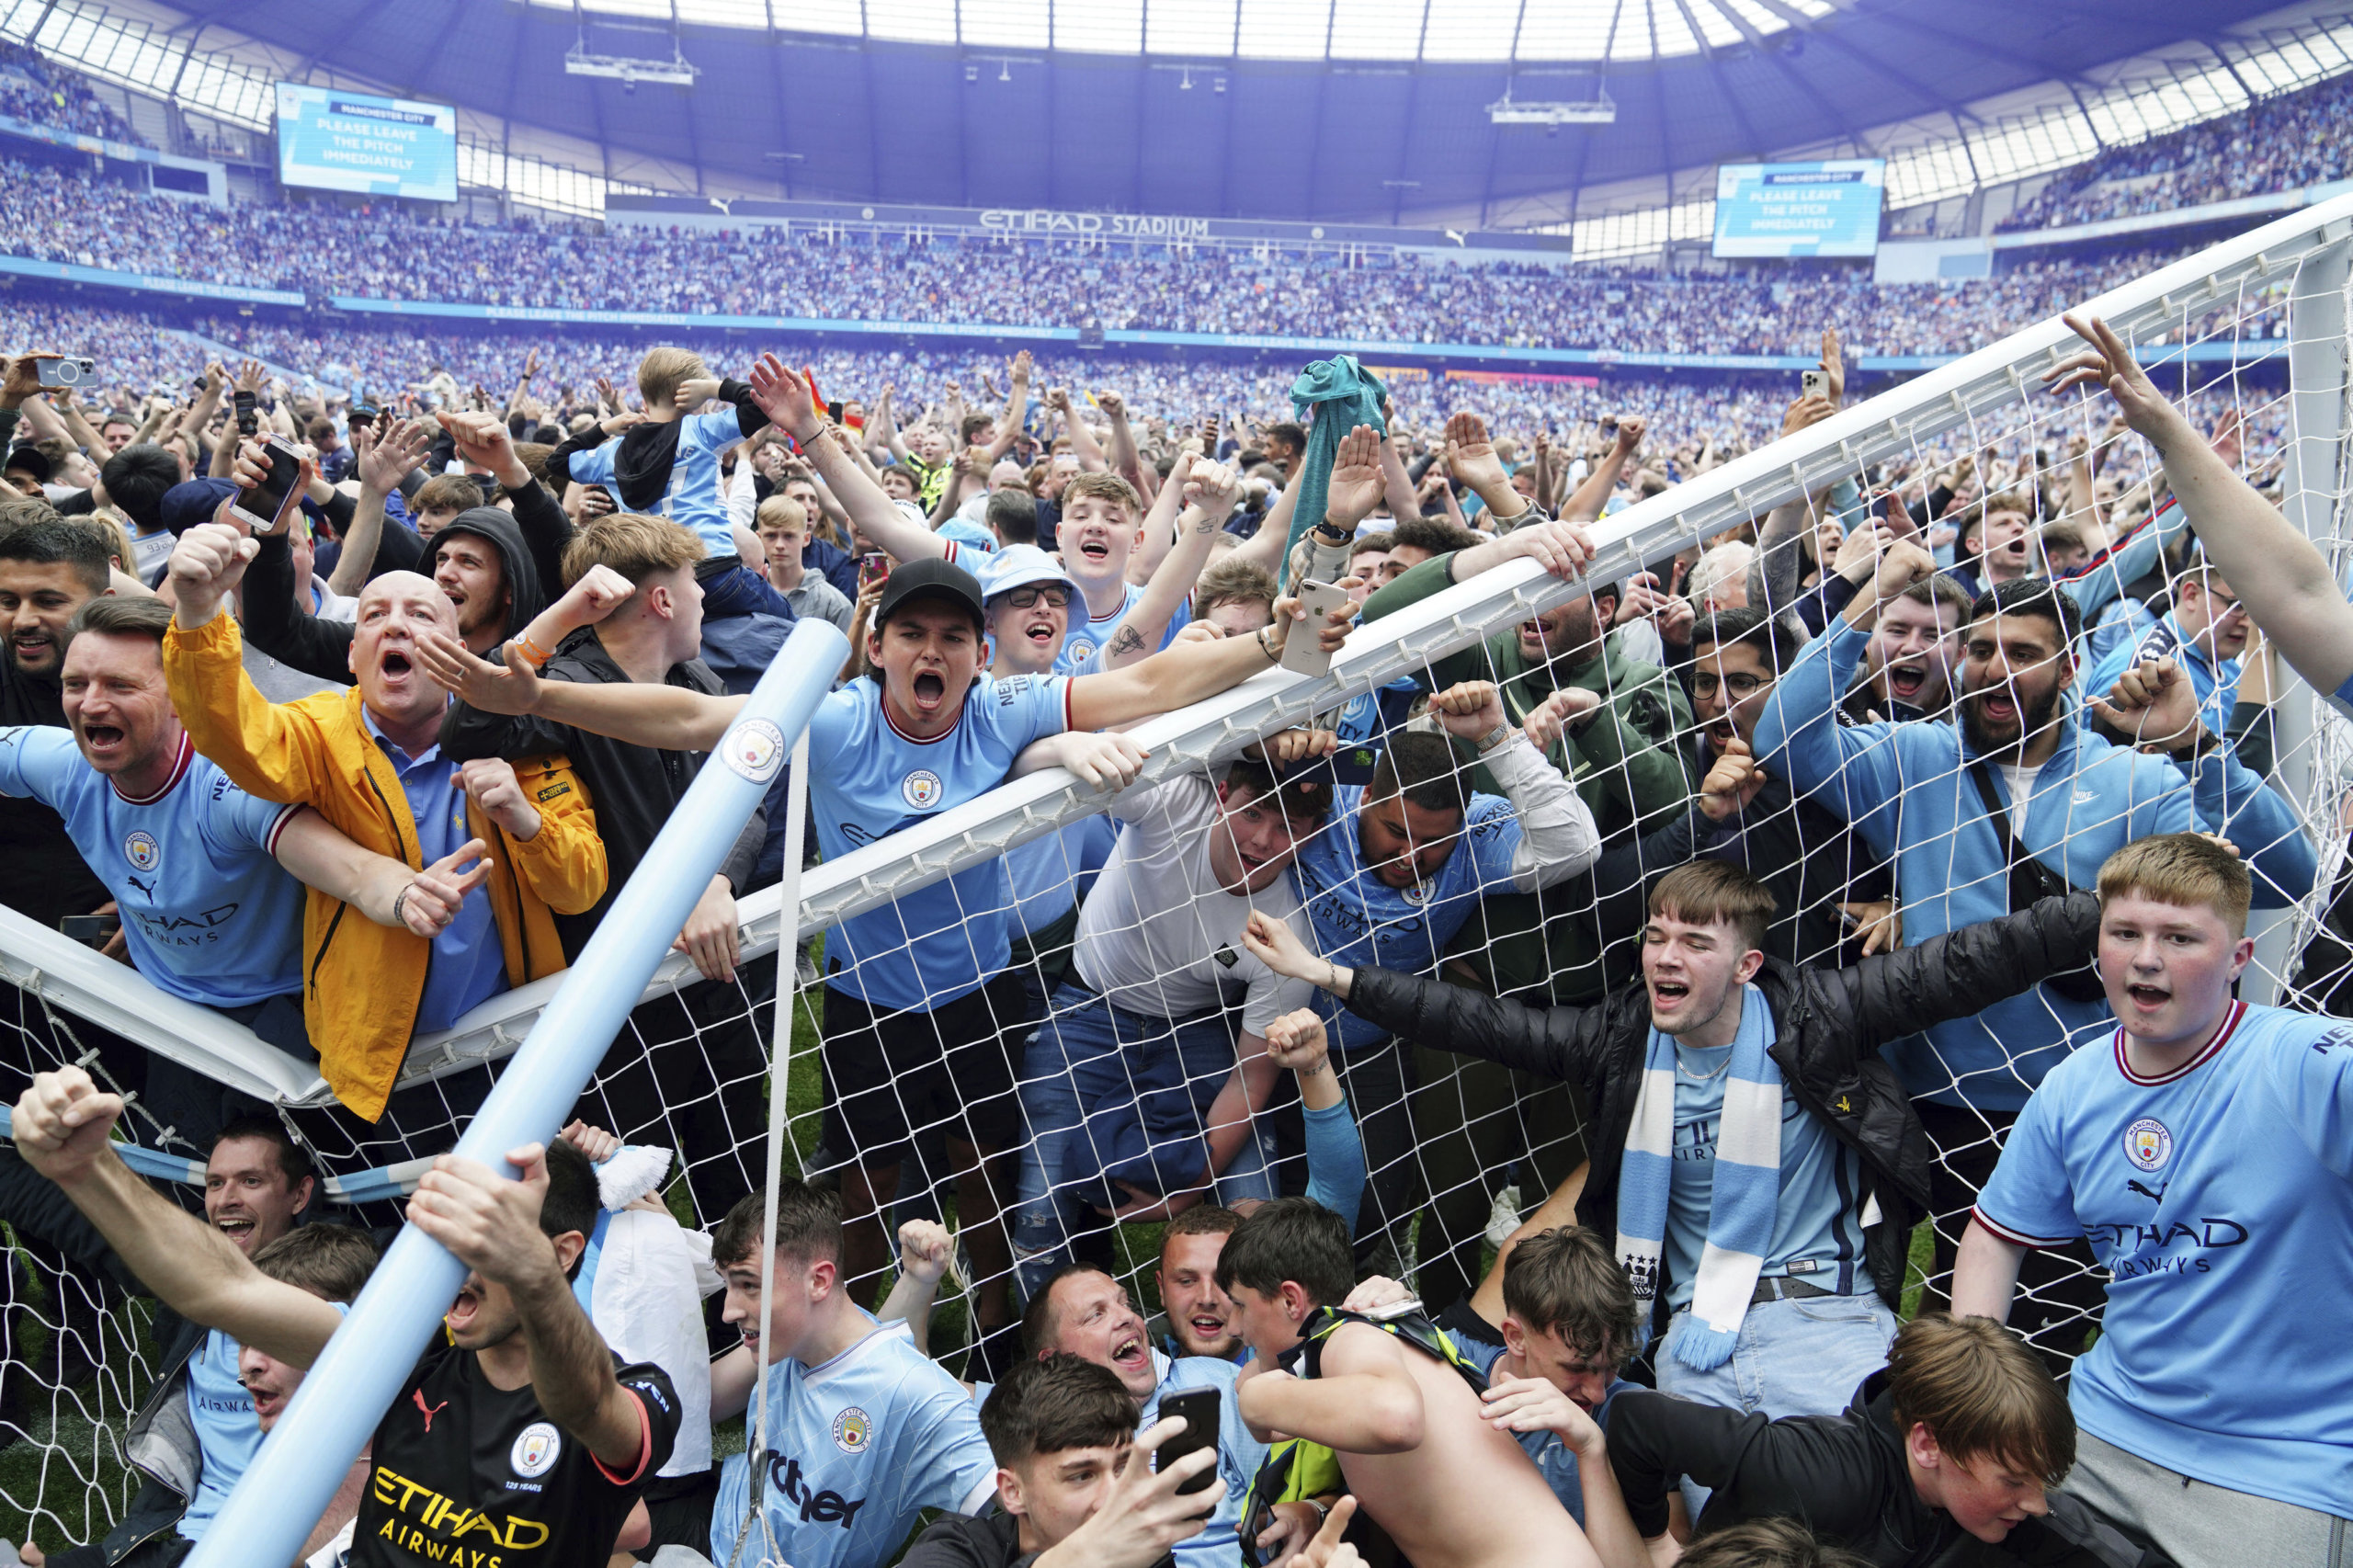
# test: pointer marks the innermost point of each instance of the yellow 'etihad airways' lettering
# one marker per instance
(396, 1492)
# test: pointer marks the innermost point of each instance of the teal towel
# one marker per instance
(1349, 395)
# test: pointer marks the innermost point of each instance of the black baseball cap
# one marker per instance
(930, 578)
(28, 459)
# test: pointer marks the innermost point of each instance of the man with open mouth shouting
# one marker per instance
(199, 868)
(369, 758)
(1908, 667)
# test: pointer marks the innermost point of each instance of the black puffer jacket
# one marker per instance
(1828, 1024)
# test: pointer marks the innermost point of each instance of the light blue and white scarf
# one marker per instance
(1747, 1193)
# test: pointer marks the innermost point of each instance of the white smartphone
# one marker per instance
(1813, 383)
(1300, 654)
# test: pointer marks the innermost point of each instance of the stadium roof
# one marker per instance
(1328, 109)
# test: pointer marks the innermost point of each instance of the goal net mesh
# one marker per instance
(1458, 1153)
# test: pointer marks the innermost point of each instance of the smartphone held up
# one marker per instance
(263, 505)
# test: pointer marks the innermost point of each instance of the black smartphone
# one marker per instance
(97, 930)
(834, 411)
(266, 503)
(1198, 1408)
(248, 421)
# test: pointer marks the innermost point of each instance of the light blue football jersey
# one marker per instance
(858, 1447)
(869, 780)
(2220, 1197)
(1362, 922)
(1088, 634)
(209, 913)
(693, 499)
(227, 1432)
(1239, 1454)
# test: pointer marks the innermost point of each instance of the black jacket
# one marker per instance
(1844, 1476)
(530, 547)
(635, 788)
(1828, 1024)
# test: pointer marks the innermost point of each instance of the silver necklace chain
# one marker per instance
(1702, 1078)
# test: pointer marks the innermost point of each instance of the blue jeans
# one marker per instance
(1113, 1094)
(1800, 1357)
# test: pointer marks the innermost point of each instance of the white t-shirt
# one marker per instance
(1160, 936)
(2020, 781)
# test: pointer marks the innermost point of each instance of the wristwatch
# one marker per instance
(1494, 738)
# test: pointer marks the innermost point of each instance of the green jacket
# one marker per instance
(1625, 764)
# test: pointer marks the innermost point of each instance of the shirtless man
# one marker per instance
(1450, 1489)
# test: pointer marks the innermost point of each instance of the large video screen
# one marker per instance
(337, 140)
(1826, 209)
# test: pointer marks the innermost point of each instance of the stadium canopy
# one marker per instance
(1338, 109)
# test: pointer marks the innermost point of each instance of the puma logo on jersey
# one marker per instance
(2156, 1197)
(418, 1395)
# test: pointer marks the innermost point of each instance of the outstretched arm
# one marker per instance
(667, 718)
(61, 1128)
(1209, 491)
(386, 890)
(2280, 576)
(1188, 672)
(784, 396)
(1586, 502)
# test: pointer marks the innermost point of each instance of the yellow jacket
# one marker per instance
(363, 982)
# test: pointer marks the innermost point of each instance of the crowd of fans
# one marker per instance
(2279, 143)
(1867, 882)
(323, 250)
(33, 90)
(1549, 915)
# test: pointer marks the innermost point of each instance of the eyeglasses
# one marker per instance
(1026, 599)
(1739, 683)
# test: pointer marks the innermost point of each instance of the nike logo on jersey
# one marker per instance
(418, 1395)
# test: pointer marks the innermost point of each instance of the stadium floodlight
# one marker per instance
(1508, 110)
(676, 72)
